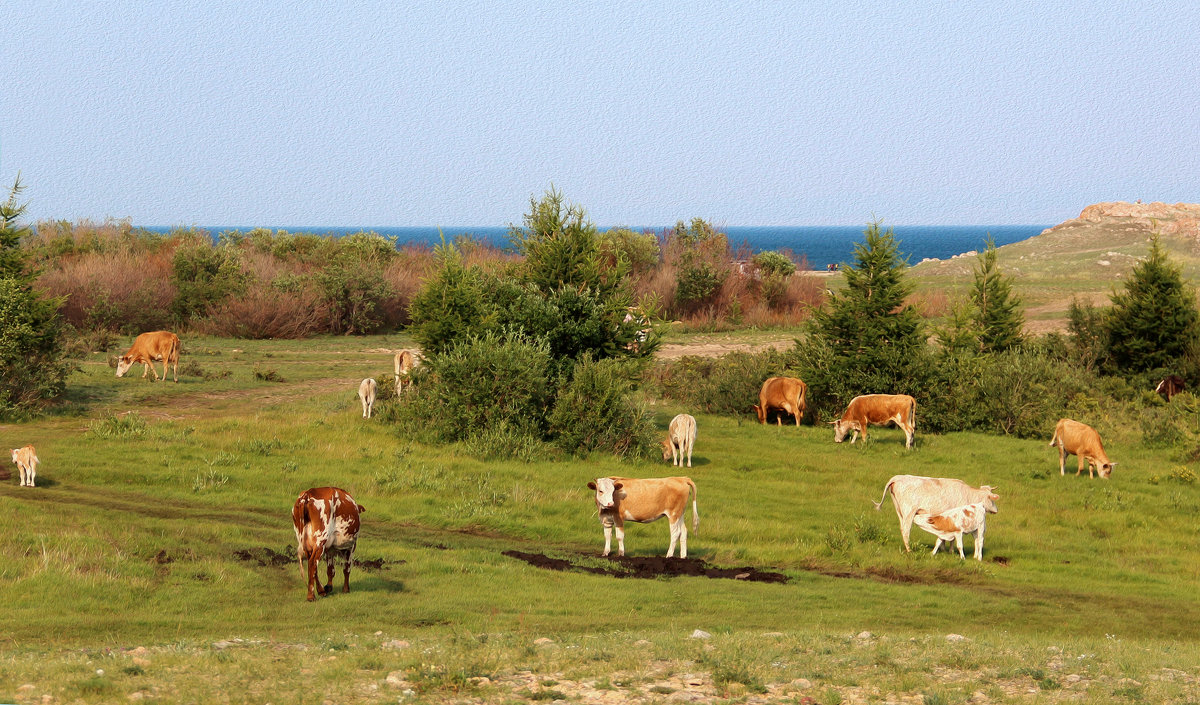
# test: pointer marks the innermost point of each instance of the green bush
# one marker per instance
(770, 262)
(454, 305)
(724, 385)
(204, 274)
(595, 411)
(640, 251)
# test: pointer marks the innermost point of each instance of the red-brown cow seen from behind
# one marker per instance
(785, 394)
(326, 520)
(878, 409)
(149, 348)
(1082, 441)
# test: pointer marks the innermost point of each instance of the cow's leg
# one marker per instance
(690, 442)
(166, 363)
(908, 435)
(674, 526)
(906, 522)
(314, 558)
(330, 566)
(979, 544)
(936, 545)
(620, 529)
(346, 571)
(1062, 461)
(675, 453)
(682, 536)
(608, 532)
(958, 540)
(1082, 461)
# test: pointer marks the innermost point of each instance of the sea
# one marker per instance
(821, 245)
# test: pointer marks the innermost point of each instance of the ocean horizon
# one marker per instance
(821, 245)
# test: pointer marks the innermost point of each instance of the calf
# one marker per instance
(149, 348)
(366, 394)
(878, 409)
(913, 493)
(405, 361)
(681, 436)
(621, 499)
(781, 394)
(326, 520)
(27, 462)
(953, 523)
(1082, 441)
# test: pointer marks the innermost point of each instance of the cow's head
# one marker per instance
(1105, 469)
(14, 453)
(842, 428)
(668, 450)
(760, 412)
(606, 492)
(123, 364)
(990, 502)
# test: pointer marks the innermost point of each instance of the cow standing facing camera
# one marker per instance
(622, 499)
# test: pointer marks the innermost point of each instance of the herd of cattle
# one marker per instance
(326, 519)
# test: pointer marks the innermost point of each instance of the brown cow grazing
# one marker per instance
(934, 495)
(405, 361)
(878, 409)
(27, 462)
(1082, 441)
(149, 348)
(681, 436)
(784, 394)
(1170, 386)
(621, 499)
(326, 522)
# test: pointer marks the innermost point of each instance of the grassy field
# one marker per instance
(145, 564)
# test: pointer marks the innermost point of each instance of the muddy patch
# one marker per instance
(647, 567)
(269, 558)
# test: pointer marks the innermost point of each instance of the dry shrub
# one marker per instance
(405, 276)
(931, 304)
(123, 290)
(266, 312)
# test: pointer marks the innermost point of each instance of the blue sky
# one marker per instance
(456, 113)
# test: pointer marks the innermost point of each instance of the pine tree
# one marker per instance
(998, 315)
(1153, 322)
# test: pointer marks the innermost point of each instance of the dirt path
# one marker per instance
(672, 351)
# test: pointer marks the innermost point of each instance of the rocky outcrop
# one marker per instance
(1164, 218)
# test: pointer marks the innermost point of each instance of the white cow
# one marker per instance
(912, 493)
(953, 523)
(27, 462)
(405, 361)
(366, 394)
(621, 499)
(681, 437)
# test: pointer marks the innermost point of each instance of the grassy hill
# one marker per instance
(155, 560)
(1086, 258)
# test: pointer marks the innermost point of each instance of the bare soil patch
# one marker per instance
(270, 558)
(651, 567)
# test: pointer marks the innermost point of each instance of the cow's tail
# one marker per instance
(912, 414)
(1054, 438)
(695, 508)
(886, 488)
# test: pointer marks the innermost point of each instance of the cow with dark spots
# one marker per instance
(326, 520)
(951, 524)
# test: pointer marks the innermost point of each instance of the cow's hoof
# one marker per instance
(311, 597)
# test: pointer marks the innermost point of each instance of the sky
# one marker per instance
(458, 113)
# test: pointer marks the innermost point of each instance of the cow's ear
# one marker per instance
(617, 485)
(993, 496)
(591, 485)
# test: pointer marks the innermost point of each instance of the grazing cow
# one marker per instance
(681, 436)
(405, 360)
(326, 520)
(912, 493)
(781, 394)
(953, 523)
(27, 462)
(149, 348)
(621, 499)
(366, 394)
(1082, 441)
(1170, 386)
(878, 409)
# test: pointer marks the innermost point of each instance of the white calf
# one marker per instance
(953, 523)
(366, 394)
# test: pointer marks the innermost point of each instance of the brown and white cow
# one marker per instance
(1082, 441)
(27, 462)
(913, 493)
(326, 520)
(622, 499)
(878, 409)
(405, 361)
(951, 524)
(366, 394)
(149, 348)
(681, 436)
(1170, 386)
(784, 394)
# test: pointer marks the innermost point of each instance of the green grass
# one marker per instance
(129, 541)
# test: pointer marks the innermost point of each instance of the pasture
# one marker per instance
(155, 561)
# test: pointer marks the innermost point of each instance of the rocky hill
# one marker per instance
(1165, 218)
